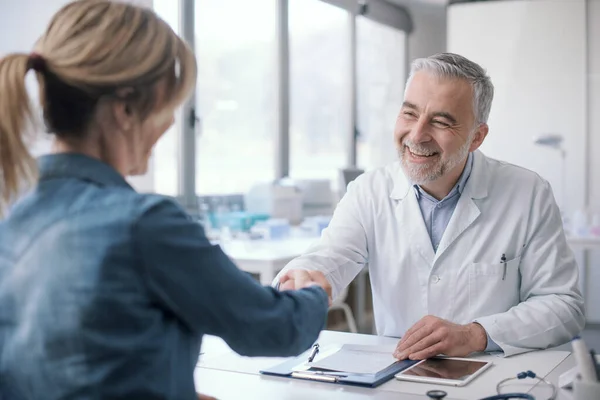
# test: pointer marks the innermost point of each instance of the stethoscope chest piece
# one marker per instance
(436, 394)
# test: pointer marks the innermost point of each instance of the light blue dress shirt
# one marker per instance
(105, 293)
(437, 213)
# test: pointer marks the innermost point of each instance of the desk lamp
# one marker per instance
(554, 141)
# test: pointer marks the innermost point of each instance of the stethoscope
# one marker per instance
(440, 394)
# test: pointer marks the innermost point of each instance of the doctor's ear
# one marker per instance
(479, 136)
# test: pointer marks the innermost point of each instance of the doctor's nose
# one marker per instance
(419, 132)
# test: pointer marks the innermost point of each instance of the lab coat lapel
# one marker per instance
(419, 238)
(408, 213)
(414, 226)
(464, 215)
(467, 211)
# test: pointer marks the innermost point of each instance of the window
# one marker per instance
(166, 152)
(236, 94)
(381, 69)
(320, 95)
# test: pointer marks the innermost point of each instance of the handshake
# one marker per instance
(299, 279)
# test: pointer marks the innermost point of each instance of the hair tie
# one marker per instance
(36, 62)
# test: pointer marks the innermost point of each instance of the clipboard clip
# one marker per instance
(318, 376)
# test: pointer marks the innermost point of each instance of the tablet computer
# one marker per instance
(445, 371)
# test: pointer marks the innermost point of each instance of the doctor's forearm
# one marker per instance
(478, 337)
(537, 323)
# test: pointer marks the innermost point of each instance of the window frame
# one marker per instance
(380, 11)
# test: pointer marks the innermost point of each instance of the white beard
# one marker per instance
(421, 174)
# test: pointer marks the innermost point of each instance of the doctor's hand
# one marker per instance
(299, 279)
(432, 336)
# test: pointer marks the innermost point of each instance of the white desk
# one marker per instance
(265, 258)
(584, 242)
(226, 375)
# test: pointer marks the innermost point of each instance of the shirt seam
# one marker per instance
(50, 224)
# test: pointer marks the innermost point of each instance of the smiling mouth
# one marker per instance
(421, 155)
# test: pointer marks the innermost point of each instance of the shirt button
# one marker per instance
(435, 278)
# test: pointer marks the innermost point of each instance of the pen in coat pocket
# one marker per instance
(503, 261)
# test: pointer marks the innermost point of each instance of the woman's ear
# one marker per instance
(123, 110)
(123, 115)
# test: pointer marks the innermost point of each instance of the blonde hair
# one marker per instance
(91, 49)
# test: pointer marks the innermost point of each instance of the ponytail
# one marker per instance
(86, 63)
(17, 166)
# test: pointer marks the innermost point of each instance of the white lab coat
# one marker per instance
(504, 209)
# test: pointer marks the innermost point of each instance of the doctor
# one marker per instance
(465, 253)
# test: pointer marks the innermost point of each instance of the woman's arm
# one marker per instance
(198, 283)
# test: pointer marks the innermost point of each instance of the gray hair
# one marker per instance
(449, 65)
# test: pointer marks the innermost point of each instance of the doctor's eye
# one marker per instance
(440, 124)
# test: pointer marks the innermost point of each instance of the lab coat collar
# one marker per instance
(476, 187)
(478, 184)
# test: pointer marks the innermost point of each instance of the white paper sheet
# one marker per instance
(357, 359)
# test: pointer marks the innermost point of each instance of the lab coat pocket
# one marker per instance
(493, 287)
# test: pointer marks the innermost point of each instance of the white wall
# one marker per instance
(22, 23)
(593, 41)
(535, 52)
(594, 105)
(429, 34)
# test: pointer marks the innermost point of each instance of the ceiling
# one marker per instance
(406, 2)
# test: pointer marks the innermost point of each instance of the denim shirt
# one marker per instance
(106, 293)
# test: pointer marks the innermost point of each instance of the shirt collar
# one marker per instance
(460, 184)
(79, 166)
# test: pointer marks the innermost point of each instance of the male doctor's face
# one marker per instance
(436, 128)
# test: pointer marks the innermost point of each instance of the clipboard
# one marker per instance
(293, 369)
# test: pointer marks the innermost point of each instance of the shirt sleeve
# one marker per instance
(200, 285)
(491, 345)
(341, 252)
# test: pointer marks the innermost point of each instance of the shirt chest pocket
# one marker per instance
(493, 287)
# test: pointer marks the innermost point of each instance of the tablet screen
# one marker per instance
(442, 368)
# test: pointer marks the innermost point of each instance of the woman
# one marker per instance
(104, 292)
